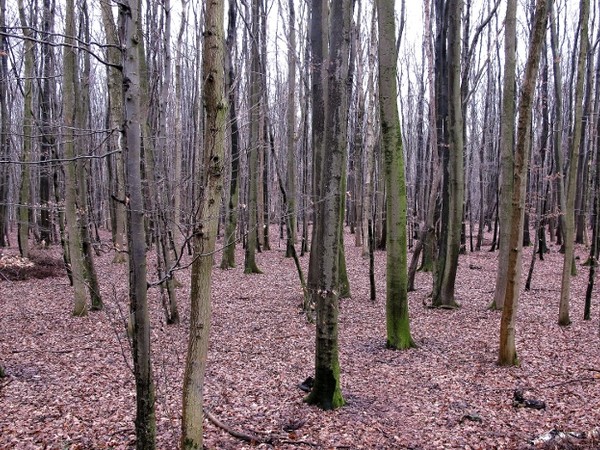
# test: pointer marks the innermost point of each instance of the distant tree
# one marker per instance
(452, 158)
(398, 327)
(228, 259)
(507, 139)
(4, 129)
(24, 209)
(250, 265)
(568, 265)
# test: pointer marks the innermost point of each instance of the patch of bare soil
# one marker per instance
(69, 383)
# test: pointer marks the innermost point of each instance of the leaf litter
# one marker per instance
(69, 382)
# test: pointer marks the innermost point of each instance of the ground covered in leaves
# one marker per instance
(68, 382)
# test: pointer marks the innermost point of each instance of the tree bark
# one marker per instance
(397, 318)
(563, 315)
(507, 352)
(205, 232)
(145, 421)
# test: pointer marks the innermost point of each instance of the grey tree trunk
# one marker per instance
(74, 236)
(23, 210)
(250, 265)
(4, 130)
(115, 118)
(145, 421)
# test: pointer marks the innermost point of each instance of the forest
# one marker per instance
(299, 224)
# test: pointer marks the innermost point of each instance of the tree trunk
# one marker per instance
(397, 319)
(145, 421)
(23, 210)
(228, 260)
(563, 316)
(205, 232)
(453, 197)
(250, 265)
(114, 81)
(326, 392)
(4, 129)
(507, 354)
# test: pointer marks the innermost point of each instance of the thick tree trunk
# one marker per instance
(507, 143)
(326, 392)
(397, 319)
(453, 198)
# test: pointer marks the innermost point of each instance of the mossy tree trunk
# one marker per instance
(397, 319)
(326, 392)
(4, 129)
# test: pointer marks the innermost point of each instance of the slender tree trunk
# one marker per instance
(250, 265)
(291, 130)
(145, 421)
(23, 210)
(558, 125)
(228, 260)
(4, 129)
(114, 81)
(205, 233)
(563, 316)
(507, 354)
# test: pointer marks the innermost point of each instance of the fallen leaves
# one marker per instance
(69, 382)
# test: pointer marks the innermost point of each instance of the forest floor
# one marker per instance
(69, 383)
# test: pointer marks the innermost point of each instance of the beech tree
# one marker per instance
(452, 160)
(507, 352)
(145, 420)
(398, 327)
(563, 318)
(205, 225)
(326, 392)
